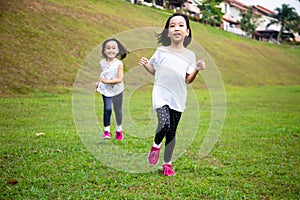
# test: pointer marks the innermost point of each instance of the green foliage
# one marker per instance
(211, 13)
(287, 17)
(249, 21)
(294, 25)
(177, 3)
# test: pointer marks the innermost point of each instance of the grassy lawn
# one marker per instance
(43, 154)
(256, 157)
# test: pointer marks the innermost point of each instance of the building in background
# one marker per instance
(191, 7)
(232, 15)
(262, 31)
(232, 10)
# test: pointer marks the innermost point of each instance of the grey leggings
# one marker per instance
(168, 120)
(116, 101)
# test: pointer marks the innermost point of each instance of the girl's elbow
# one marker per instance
(119, 80)
(153, 72)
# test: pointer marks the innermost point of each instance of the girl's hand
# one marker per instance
(97, 83)
(103, 80)
(200, 65)
(143, 61)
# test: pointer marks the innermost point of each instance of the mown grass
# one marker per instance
(44, 43)
(256, 157)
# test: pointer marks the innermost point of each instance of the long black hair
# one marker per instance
(122, 50)
(163, 36)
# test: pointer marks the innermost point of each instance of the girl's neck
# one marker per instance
(109, 60)
(176, 47)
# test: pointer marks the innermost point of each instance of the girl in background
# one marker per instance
(111, 84)
(173, 66)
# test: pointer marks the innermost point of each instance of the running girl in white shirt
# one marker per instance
(111, 84)
(173, 66)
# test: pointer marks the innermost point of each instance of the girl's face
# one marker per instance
(111, 49)
(177, 29)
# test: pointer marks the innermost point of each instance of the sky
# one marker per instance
(272, 4)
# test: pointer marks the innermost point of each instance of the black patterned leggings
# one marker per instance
(168, 120)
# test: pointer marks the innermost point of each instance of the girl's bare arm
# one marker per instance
(200, 65)
(144, 62)
(116, 80)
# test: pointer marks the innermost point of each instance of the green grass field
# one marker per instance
(43, 46)
(256, 157)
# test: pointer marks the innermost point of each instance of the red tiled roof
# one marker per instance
(229, 20)
(237, 4)
(264, 10)
(257, 9)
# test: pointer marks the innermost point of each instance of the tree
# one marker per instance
(286, 16)
(210, 11)
(176, 3)
(294, 25)
(249, 21)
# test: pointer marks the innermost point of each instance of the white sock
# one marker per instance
(107, 128)
(119, 128)
(170, 163)
(156, 145)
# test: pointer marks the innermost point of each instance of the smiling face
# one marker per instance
(111, 50)
(177, 29)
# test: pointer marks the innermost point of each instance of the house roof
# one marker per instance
(259, 10)
(238, 4)
(263, 10)
(191, 7)
(267, 31)
(229, 20)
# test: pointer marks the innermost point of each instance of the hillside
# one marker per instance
(44, 43)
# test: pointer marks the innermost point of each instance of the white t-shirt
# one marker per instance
(110, 71)
(170, 74)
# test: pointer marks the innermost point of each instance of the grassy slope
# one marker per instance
(43, 43)
(249, 62)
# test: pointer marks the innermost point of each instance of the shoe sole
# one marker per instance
(169, 175)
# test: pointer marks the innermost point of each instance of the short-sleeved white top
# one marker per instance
(110, 71)
(170, 75)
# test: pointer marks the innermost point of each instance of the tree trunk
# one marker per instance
(280, 33)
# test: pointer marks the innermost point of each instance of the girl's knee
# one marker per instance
(107, 111)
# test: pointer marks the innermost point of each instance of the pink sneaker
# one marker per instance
(167, 170)
(153, 156)
(119, 135)
(106, 135)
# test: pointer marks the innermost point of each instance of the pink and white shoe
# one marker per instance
(106, 135)
(119, 135)
(167, 170)
(153, 156)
